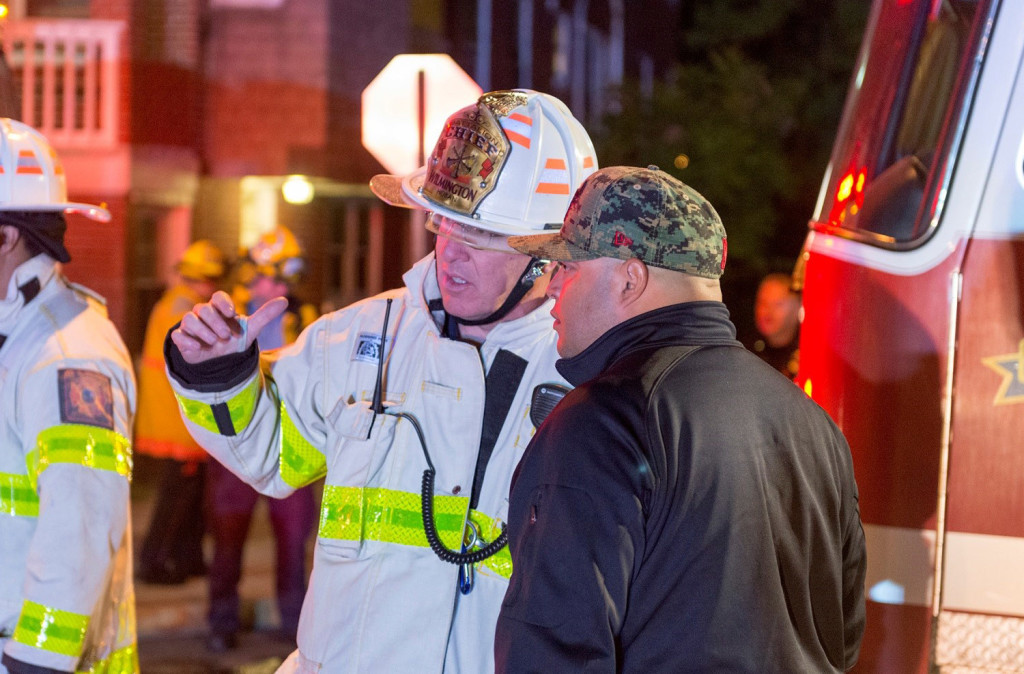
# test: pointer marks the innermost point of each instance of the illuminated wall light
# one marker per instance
(297, 190)
(3, 11)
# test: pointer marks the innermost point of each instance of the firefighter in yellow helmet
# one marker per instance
(172, 549)
(67, 397)
(269, 269)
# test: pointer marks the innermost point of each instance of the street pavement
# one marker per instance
(171, 619)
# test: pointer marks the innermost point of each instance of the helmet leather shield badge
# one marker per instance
(468, 157)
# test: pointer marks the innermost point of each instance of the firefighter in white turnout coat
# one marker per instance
(451, 373)
(67, 395)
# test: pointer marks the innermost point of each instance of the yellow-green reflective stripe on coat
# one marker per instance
(301, 463)
(17, 496)
(240, 408)
(501, 561)
(88, 446)
(122, 661)
(51, 629)
(390, 516)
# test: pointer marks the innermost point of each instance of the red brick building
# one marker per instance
(186, 116)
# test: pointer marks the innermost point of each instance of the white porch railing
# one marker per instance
(68, 74)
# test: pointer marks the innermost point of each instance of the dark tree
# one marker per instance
(748, 119)
(749, 116)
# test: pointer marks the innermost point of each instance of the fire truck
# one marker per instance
(913, 328)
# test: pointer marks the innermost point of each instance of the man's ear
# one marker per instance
(635, 277)
(9, 237)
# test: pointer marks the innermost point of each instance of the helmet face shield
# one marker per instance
(290, 269)
(474, 237)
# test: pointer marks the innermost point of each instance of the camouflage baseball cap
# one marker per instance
(625, 212)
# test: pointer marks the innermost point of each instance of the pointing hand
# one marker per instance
(215, 329)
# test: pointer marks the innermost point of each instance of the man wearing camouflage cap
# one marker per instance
(685, 508)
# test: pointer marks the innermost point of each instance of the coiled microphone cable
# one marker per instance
(427, 486)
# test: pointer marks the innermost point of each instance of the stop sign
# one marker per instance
(407, 104)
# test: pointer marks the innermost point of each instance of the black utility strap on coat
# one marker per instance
(449, 326)
(29, 290)
(499, 391)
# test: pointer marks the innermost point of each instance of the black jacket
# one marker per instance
(685, 509)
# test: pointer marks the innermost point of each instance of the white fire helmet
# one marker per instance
(507, 165)
(32, 177)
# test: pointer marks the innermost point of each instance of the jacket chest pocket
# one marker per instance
(362, 441)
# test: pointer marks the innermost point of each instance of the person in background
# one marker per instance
(268, 269)
(684, 508)
(416, 404)
(67, 397)
(271, 268)
(172, 549)
(777, 319)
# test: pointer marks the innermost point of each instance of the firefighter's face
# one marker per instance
(475, 282)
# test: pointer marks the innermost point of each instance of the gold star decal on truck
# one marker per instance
(1011, 367)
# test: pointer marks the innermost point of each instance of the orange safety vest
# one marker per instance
(159, 430)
